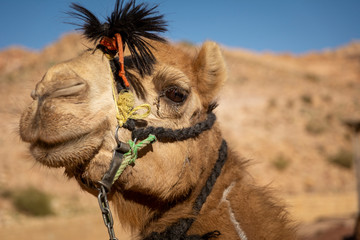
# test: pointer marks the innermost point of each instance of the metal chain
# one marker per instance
(106, 212)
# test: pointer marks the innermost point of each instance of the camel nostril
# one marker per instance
(33, 94)
(75, 88)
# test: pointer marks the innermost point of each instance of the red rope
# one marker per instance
(116, 44)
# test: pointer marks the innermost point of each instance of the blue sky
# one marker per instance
(296, 26)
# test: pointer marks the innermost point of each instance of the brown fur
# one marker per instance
(71, 124)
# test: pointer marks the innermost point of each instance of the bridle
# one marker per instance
(179, 229)
(136, 25)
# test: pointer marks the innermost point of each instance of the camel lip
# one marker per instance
(51, 154)
(69, 150)
(54, 144)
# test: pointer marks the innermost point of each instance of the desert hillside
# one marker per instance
(284, 112)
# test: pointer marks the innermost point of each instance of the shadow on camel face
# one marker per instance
(72, 120)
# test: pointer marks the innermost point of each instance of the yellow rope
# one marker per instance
(125, 106)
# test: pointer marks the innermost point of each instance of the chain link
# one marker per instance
(106, 212)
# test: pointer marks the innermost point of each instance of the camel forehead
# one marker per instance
(90, 65)
(90, 62)
(172, 55)
(169, 55)
(93, 66)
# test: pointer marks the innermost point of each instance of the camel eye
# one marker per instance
(176, 94)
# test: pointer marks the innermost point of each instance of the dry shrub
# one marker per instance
(280, 162)
(272, 103)
(311, 77)
(343, 158)
(33, 202)
(307, 99)
(315, 126)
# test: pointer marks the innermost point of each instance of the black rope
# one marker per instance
(206, 190)
(171, 135)
(178, 230)
(115, 68)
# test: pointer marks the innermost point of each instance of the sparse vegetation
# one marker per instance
(343, 158)
(315, 126)
(272, 103)
(307, 98)
(5, 193)
(33, 202)
(329, 118)
(280, 162)
(8, 78)
(311, 77)
(51, 63)
(321, 149)
(347, 137)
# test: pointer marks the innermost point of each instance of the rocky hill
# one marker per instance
(283, 111)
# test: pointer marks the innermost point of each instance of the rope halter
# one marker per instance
(126, 154)
(125, 110)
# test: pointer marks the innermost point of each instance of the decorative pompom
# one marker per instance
(137, 24)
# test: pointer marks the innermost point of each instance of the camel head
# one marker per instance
(72, 120)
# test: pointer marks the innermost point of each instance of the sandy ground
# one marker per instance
(88, 226)
(316, 215)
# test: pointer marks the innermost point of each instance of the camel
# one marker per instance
(185, 183)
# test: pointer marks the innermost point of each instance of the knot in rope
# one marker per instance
(134, 147)
(132, 154)
(125, 108)
(125, 101)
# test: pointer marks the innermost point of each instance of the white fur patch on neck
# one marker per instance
(236, 224)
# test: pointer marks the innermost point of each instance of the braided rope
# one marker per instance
(131, 155)
(126, 110)
(206, 190)
(124, 105)
(171, 135)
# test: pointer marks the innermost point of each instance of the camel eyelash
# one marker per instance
(174, 94)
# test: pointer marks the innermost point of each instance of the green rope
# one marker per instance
(131, 155)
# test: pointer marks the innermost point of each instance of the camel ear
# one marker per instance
(210, 71)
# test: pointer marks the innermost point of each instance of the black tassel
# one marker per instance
(137, 24)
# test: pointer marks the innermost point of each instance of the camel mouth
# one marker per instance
(74, 151)
(43, 144)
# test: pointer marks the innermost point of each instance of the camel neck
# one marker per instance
(135, 210)
(179, 229)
